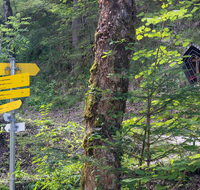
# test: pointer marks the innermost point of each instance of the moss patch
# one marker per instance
(91, 79)
(99, 120)
(93, 68)
(92, 71)
(87, 113)
(83, 177)
(90, 102)
(97, 34)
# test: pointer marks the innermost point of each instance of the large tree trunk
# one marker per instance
(103, 111)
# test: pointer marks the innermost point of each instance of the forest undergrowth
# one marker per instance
(27, 170)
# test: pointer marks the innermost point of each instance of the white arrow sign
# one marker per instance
(18, 127)
(6, 117)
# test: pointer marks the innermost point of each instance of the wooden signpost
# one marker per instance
(19, 77)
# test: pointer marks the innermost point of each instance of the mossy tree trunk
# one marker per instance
(107, 98)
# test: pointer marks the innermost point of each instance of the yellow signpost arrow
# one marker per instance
(10, 106)
(14, 93)
(30, 68)
(14, 81)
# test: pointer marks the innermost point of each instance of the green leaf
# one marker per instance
(108, 52)
(159, 187)
(192, 163)
(135, 58)
(185, 44)
(188, 15)
(144, 180)
(104, 56)
(196, 156)
(163, 11)
(139, 37)
(182, 168)
(141, 14)
(178, 42)
(140, 172)
(172, 64)
(118, 133)
(147, 29)
(148, 15)
(194, 9)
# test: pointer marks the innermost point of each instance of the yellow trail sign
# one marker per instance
(15, 93)
(14, 81)
(10, 106)
(30, 68)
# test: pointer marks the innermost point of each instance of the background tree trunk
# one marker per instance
(76, 26)
(8, 12)
(103, 111)
(76, 32)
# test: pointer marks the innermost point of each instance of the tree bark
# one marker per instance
(76, 26)
(107, 98)
(8, 12)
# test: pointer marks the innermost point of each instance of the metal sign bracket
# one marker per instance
(16, 69)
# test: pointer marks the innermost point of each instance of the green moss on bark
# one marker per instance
(97, 34)
(99, 121)
(93, 68)
(92, 71)
(91, 79)
(83, 177)
(88, 143)
(130, 35)
(90, 102)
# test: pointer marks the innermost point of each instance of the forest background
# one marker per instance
(59, 37)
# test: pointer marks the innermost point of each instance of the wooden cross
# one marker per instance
(197, 66)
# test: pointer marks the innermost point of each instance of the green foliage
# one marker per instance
(50, 46)
(42, 33)
(12, 38)
(58, 165)
(56, 153)
(166, 108)
(3, 186)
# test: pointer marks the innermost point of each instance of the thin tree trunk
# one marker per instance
(8, 12)
(148, 137)
(76, 32)
(107, 99)
(76, 26)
